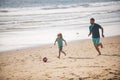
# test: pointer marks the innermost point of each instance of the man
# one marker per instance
(94, 30)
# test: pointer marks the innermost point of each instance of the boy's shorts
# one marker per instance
(96, 40)
(60, 47)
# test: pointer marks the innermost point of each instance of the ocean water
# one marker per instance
(28, 23)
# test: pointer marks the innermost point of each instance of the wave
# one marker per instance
(67, 25)
(2, 22)
(72, 13)
(4, 11)
(95, 4)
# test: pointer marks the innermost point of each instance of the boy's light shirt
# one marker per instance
(60, 41)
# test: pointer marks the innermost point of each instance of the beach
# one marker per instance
(28, 29)
(81, 62)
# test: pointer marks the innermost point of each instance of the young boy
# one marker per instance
(60, 40)
(94, 30)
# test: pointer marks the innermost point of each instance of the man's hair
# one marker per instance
(92, 19)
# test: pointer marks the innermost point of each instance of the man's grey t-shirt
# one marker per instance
(95, 30)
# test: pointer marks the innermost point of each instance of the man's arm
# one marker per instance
(55, 42)
(89, 33)
(102, 30)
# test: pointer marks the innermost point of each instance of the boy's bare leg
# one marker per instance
(96, 46)
(59, 54)
(63, 53)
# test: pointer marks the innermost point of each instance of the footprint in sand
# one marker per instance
(74, 74)
(0, 68)
(8, 78)
(111, 72)
(114, 78)
(108, 69)
(79, 78)
(47, 75)
(71, 79)
(114, 72)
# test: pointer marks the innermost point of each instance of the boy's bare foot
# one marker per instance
(65, 54)
(58, 57)
(99, 54)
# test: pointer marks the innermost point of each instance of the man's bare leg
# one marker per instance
(101, 45)
(96, 46)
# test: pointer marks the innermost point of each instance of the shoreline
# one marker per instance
(49, 44)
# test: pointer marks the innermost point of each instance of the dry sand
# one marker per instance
(81, 63)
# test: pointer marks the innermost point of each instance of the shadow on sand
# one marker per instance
(80, 58)
(111, 55)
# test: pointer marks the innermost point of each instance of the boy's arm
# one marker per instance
(65, 42)
(102, 30)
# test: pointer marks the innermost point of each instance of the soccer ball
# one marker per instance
(45, 59)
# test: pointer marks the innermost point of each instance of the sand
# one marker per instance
(81, 62)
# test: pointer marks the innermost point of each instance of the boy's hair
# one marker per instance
(60, 34)
(92, 19)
